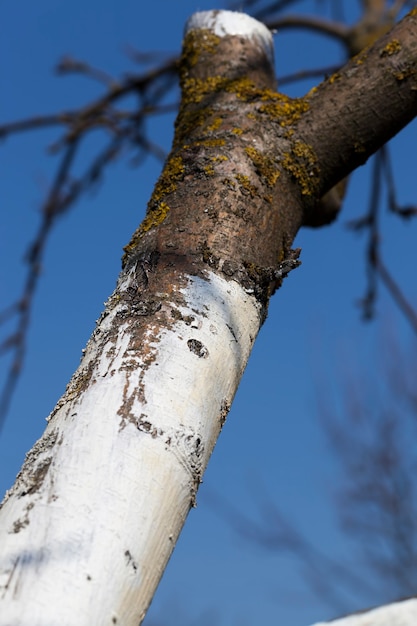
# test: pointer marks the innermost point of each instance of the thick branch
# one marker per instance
(361, 107)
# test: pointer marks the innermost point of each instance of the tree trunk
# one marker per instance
(88, 527)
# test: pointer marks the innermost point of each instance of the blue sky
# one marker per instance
(272, 445)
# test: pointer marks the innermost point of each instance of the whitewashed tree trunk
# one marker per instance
(88, 527)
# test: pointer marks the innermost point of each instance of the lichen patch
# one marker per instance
(392, 47)
(301, 163)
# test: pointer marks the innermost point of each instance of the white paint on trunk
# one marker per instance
(87, 530)
(397, 614)
(224, 23)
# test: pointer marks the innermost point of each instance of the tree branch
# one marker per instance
(126, 128)
(396, 293)
(357, 110)
(330, 28)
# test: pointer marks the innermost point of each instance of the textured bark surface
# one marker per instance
(220, 201)
(357, 110)
(249, 164)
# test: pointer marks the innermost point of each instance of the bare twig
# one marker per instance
(144, 58)
(274, 7)
(126, 129)
(378, 502)
(40, 121)
(396, 294)
(330, 28)
(69, 65)
(375, 264)
(328, 577)
(17, 341)
(370, 222)
(405, 211)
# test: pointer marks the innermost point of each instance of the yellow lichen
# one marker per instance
(219, 157)
(188, 120)
(229, 182)
(244, 88)
(361, 56)
(195, 89)
(172, 173)
(283, 108)
(215, 124)
(264, 164)
(167, 183)
(211, 143)
(334, 77)
(392, 47)
(301, 162)
(209, 170)
(245, 184)
(214, 142)
(155, 217)
(402, 74)
(197, 42)
(404, 69)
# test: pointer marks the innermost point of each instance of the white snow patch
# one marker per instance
(224, 23)
(396, 614)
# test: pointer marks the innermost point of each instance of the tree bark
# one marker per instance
(88, 527)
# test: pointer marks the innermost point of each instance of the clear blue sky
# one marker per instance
(272, 443)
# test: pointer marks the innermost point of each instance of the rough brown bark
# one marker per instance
(248, 164)
(357, 110)
(221, 201)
